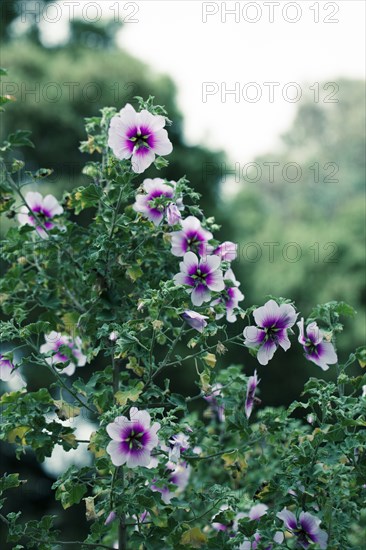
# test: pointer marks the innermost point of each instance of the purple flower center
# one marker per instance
(140, 139)
(134, 438)
(193, 241)
(42, 213)
(272, 334)
(156, 200)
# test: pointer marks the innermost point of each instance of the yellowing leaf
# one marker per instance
(157, 325)
(193, 538)
(90, 513)
(94, 448)
(70, 439)
(132, 394)
(160, 520)
(205, 380)
(18, 433)
(192, 343)
(134, 366)
(210, 360)
(134, 273)
(235, 462)
(70, 320)
(65, 411)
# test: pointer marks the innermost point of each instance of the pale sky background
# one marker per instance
(172, 38)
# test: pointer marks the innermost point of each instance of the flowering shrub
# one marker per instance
(143, 289)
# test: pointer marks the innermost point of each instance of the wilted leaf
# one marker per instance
(65, 410)
(205, 380)
(132, 394)
(90, 513)
(210, 360)
(94, 448)
(135, 367)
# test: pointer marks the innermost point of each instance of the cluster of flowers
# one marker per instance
(132, 441)
(306, 528)
(273, 323)
(140, 136)
(204, 270)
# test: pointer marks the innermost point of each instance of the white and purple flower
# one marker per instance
(45, 208)
(316, 349)
(139, 136)
(157, 199)
(250, 397)
(215, 404)
(273, 322)
(191, 238)
(8, 371)
(195, 320)
(173, 215)
(178, 444)
(227, 251)
(202, 276)
(305, 528)
(230, 297)
(132, 439)
(54, 341)
(179, 476)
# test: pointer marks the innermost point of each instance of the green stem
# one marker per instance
(60, 380)
(122, 529)
(199, 353)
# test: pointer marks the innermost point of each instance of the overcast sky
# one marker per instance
(262, 49)
(215, 56)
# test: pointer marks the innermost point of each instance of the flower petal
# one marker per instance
(309, 523)
(283, 339)
(34, 200)
(302, 338)
(215, 281)
(267, 315)
(287, 317)
(114, 450)
(199, 295)
(141, 458)
(266, 352)
(162, 144)
(114, 429)
(51, 204)
(253, 336)
(142, 160)
(288, 519)
(153, 122)
(142, 417)
(257, 511)
(190, 261)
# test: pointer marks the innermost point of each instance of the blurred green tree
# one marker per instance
(322, 214)
(55, 88)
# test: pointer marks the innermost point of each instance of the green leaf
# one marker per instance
(84, 197)
(9, 481)
(39, 327)
(134, 273)
(20, 138)
(70, 494)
